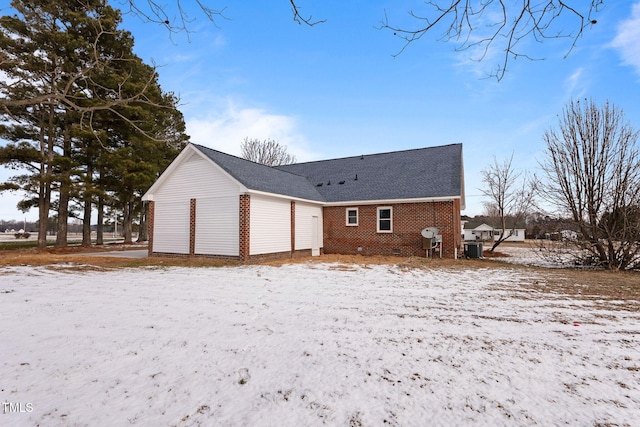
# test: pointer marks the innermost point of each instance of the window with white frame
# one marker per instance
(352, 217)
(385, 220)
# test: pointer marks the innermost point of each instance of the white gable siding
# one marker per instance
(217, 199)
(171, 228)
(270, 225)
(196, 178)
(304, 223)
(217, 222)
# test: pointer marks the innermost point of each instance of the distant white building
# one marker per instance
(487, 233)
(569, 235)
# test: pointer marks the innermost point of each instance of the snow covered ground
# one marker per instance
(533, 255)
(310, 344)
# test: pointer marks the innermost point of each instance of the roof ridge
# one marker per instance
(371, 154)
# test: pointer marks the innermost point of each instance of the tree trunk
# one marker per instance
(143, 233)
(63, 215)
(127, 219)
(65, 190)
(100, 228)
(86, 223)
(43, 214)
(86, 200)
(44, 190)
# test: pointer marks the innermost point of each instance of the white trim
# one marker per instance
(463, 201)
(282, 196)
(391, 201)
(346, 214)
(390, 219)
(355, 202)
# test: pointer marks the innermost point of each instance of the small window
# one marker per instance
(352, 217)
(385, 221)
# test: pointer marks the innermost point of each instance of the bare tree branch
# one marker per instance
(495, 23)
(157, 13)
(299, 19)
(511, 196)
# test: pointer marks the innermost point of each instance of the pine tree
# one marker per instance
(71, 74)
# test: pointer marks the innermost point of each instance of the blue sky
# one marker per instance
(336, 89)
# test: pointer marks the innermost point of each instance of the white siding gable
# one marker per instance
(197, 177)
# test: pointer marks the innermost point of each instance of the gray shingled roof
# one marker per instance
(259, 177)
(420, 173)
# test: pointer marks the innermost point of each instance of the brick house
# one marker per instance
(208, 203)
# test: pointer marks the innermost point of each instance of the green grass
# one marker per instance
(21, 244)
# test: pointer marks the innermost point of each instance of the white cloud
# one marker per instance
(224, 129)
(576, 84)
(626, 39)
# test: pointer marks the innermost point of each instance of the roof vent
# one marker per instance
(341, 182)
(356, 177)
(319, 185)
(329, 183)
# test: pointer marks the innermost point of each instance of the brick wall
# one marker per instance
(405, 240)
(150, 223)
(244, 231)
(293, 226)
(192, 227)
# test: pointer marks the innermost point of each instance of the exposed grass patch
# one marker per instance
(20, 244)
(13, 245)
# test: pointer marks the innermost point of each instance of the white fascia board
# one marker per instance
(392, 201)
(282, 196)
(463, 203)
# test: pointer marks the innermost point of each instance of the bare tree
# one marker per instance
(511, 196)
(592, 165)
(483, 24)
(267, 152)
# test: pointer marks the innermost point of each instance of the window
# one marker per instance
(385, 223)
(352, 217)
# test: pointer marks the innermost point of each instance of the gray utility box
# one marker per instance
(473, 250)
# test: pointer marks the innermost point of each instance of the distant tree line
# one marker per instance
(87, 126)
